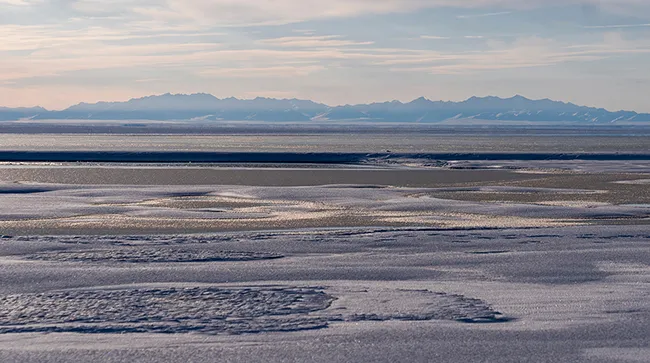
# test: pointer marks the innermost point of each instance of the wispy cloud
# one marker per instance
(312, 41)
(256, 12)
(249, 12)
(304, 31)
(618, 26)
(470, 16)
(257, 72)
(15, 2)
(264, 12)
(55, 54)
(434, 37)
(528, 52)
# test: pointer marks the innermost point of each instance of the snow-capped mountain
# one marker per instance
(206, 107)
(8, 114)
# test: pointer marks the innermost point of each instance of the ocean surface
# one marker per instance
(323, 138)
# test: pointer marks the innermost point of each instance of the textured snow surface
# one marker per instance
(586, 166)
(164, 310)
(381, 294)
(638, 182)
(210, 310)
(152, 255)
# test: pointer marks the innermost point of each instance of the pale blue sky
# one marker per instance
(59, 52)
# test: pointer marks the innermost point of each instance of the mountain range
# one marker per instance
(206, 107)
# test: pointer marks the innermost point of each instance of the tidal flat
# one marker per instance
(406, 260)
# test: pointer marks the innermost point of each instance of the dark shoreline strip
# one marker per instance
(289, 158)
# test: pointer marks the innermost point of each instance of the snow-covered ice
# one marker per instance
(547, 269)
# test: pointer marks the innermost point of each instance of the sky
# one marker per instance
(56, 53)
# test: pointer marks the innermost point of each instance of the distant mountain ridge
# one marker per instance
(8, 114)
(206, 107)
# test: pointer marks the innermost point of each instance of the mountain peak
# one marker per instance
(422, 101)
